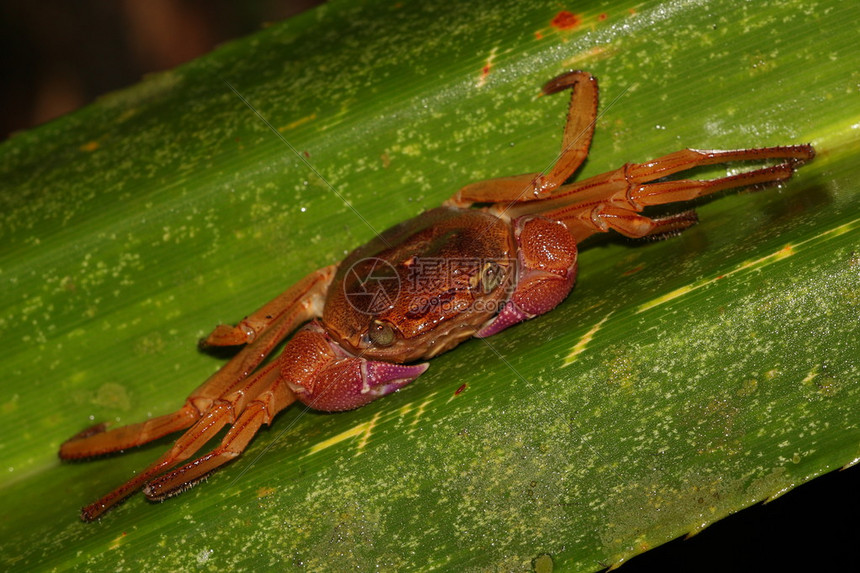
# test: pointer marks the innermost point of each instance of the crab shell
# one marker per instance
(419, 289)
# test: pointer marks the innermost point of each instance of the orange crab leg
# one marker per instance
(614, 199)
(312, 369)
(631, 224)
(294, 300)
(98, 440)
(261, 411)
(578, 131)
(685, 190)
(222, 412)
(616, 186)
(297, 305)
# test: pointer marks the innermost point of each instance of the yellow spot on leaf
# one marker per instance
(779, 255)
(265, 491)
(298, 122)
(488, 66)
(583, 342)
(404, 410)
(783, 253)
(90, 146)
(117, 541)
(364, 429)
(594, 53)
(420, 411)
(9, 406)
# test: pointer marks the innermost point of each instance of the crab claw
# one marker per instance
(326, 377)
(546, 258)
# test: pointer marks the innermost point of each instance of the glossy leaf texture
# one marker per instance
(680, 382)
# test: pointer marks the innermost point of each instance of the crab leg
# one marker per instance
(614, 199)
(312, 369)
(615, 185)
(222, 412)
(261, 411)
(293, 300)
(297, 305)
(578, 131)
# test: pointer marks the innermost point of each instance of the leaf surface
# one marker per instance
(681, 381)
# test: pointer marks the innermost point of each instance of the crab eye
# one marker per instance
(491, 277)
(381, 333)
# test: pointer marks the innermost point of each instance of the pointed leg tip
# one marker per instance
(153, 493)
(166, 486)
(92, 512)
(88, 432)
(566, 80)
(71, 448)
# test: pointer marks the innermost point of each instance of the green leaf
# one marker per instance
(680, 382)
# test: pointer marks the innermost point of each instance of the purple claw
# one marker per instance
(339, 381)
(382, 378)
(510, 315)
(545, 276)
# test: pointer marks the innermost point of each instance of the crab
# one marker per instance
(499, 252)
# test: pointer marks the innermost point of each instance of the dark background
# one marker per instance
(58, 55)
